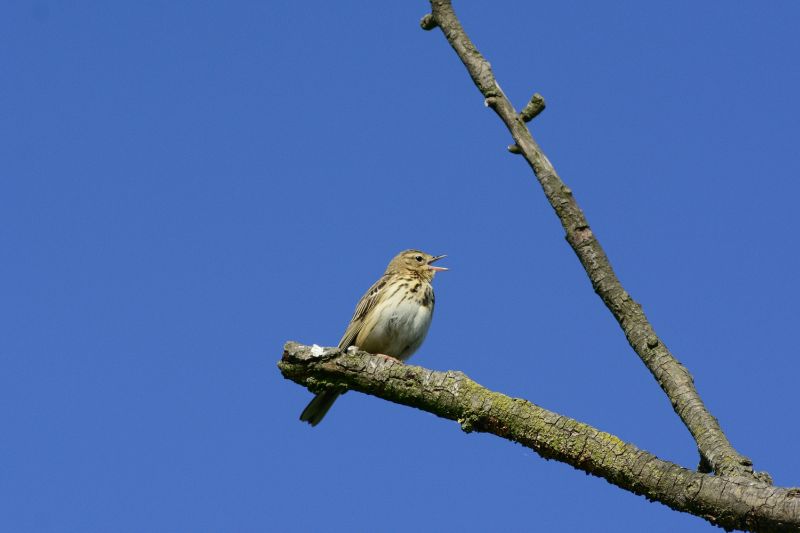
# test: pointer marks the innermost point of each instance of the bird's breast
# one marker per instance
(400, 325)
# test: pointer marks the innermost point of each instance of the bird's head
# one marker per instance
(416, 263)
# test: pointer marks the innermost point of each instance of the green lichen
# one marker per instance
(318, 385)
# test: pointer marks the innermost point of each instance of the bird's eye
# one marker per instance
(419, 259)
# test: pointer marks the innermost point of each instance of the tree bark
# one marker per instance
(730, 502)
(735, 498)
(715, 450)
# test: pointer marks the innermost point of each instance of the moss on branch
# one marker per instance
(670, 374)
(730, 502)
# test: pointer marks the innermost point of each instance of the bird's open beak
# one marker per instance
(435, 268)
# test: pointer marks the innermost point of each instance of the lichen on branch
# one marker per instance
(739, 503)
(671, 375)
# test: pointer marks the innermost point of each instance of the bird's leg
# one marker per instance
(390, 358)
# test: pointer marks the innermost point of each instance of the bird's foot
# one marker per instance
(390, 358)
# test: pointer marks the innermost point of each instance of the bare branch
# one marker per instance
(670, 374)
(740, 503)
(533, 108)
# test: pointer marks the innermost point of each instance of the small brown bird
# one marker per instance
(391, 319)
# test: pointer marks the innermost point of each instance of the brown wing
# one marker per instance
(363, 308)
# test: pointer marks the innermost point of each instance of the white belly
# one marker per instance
(398, 330)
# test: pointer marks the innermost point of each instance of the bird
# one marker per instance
(391, 319)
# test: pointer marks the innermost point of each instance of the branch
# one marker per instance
(671, 375)
(738, 503)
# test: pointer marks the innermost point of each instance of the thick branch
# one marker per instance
(738, 503)
(670, 374)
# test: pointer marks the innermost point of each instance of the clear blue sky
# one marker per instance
(187, 185)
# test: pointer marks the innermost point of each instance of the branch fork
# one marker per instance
(673, 377)
(725, 490)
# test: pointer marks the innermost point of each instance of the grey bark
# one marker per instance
(731, 502)
(735, 498)
(715, 449)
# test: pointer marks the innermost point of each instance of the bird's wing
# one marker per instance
(365, 305)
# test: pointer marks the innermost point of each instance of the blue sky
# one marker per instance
(184, 186)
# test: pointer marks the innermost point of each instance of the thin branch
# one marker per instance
(739, 503)
(670, 374)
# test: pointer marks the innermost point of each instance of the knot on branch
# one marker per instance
(468, 422)
(764, 477)
(532, 108)
(427, 22)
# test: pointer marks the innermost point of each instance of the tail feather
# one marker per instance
(316, 409)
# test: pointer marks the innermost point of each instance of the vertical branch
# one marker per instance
(671, 375)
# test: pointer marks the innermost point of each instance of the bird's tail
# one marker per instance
(316, 409)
